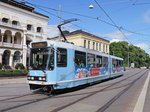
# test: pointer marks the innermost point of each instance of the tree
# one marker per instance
(136, 54)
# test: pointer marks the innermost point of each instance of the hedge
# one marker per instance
(12, 73)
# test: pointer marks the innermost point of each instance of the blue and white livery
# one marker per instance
(58, 65)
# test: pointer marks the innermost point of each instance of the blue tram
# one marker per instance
(59, 65)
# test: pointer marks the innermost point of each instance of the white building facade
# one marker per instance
(19, 25)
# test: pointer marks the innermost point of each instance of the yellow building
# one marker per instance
(87, 40)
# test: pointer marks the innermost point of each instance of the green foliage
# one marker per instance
(136, 55)
(1, 65)
(10, 73)
(19, 66)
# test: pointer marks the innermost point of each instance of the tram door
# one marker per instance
(64, 64)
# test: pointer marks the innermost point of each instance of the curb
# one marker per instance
(3, 78)
(6, 81)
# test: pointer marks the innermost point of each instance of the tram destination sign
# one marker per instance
(39, 44)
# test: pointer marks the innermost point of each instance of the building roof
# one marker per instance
(22, 6)
(82, 32)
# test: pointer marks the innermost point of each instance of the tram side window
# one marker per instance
(114, 62)
(80, 59)
(91, 60)
(61, 57)
(120, 63)
(99, 61)
(105, 62)
(117, 63)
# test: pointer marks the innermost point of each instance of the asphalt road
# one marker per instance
(121, 94)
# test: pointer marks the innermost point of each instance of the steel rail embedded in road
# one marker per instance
(105, 106)
(48, 97)
(93, 93)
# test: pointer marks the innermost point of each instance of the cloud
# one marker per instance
(143, 46)
(115, 36)
(147, 16)
(53, 30)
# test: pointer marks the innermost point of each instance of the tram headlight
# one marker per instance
(40, 78)
(32, 78)
(28, 78)
(44, 78)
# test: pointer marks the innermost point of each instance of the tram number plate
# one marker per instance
(43, 83)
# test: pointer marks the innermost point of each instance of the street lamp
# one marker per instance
(63, 23)
(91, 6)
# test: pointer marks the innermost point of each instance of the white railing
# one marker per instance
(11, 45)
(7, 44)
(10, 25)
(17, 46)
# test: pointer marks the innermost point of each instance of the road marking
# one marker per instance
(141, 100)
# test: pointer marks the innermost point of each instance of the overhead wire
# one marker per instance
(96, 18)
(119, 28)
(54, 15)
(135, 2)
(141, 3)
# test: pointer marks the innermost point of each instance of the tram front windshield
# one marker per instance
(42, 59)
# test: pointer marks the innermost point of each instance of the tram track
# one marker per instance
(19, 96)
(48, 97)
(108, 103)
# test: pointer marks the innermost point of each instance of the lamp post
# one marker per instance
(63, 23)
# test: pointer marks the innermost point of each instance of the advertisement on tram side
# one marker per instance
(81, 72)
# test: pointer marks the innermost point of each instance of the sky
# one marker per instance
(114, 20)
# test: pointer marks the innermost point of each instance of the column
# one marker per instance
(102, 47)
(24, 39)
(2, 39)
(24, 57)
(11, 60)
(105, 49)
(108, 48)
(1, 56)
(13, 41)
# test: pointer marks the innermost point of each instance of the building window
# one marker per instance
(84, 43)
(29, 27)
(5, 20)
(88, 44)
(17, 56)
(39, 29)
(93, 45)
(96, 46)
(103, 47)
(14, 22)
(99, 46)
(0, 38)
(5, 38)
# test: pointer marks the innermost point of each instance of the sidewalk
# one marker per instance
(12, 80)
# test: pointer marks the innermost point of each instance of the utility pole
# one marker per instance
(128, 60)
(60, 19)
